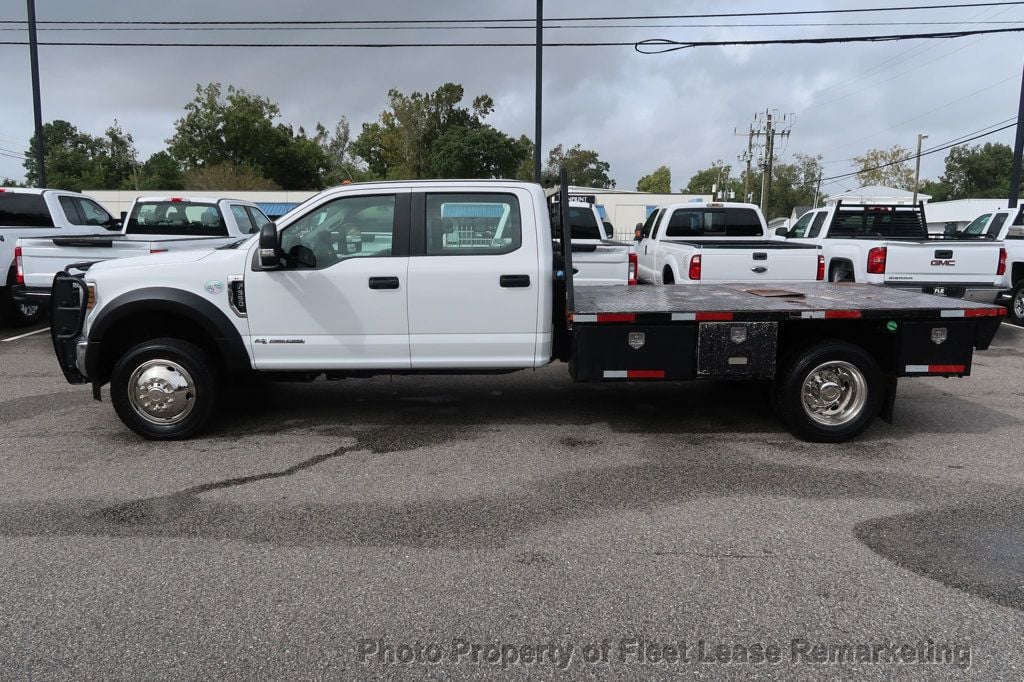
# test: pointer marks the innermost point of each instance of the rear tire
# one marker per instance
(15, 313)
(841, 272)
(164, 389)
(1015, 311)
(830, 392)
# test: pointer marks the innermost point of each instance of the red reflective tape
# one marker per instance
(946, 369)
(985, 312)
(616, 317)
(714, 317)
(842, 314)
(645, 374)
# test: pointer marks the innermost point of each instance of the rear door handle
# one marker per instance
(383, 282)
(515, 281)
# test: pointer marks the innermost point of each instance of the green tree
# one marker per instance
(583, 166)
(227, 176)
(525, 170)
(161, 171)
(717, 175)
(978, 172)
(483, 152)
(888, 167)
(76, 160)
(658, 182)
(336, 145)
(793, 184)
(238, 128)
(10, 182)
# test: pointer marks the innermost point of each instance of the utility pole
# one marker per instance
(917, 169)
(1018, 151)
(768, 126)
(746, 157)
(769, 156)
(817, 188)
(539, 62)
(33, 50)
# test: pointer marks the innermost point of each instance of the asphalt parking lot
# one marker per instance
(519, 521)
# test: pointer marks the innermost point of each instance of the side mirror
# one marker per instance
(270, 247)
(781, 232)
(638, 232)
(949, 231)
(113, 225)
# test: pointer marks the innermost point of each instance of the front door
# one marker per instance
(341, 300)
(645, 248)
(474, 280)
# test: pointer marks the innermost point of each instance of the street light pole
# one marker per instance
(1018, 151)
(33, 51)
(539, 62)
(917, 170)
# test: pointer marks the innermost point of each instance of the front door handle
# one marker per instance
(383, 282)
(515, 281)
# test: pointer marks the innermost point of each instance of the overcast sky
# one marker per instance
(638, 111)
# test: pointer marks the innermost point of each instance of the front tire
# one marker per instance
(830, 392)
(1015, 311)
(164, 389)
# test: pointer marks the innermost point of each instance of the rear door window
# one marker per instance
(819, 220)
(473, 224)
(19, 209)
(241, 216)
(176, 218)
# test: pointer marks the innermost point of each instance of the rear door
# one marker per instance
(474, 279)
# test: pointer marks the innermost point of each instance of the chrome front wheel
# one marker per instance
(161, 391)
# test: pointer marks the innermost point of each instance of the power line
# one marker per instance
(955, 143)
(652, 46)
(716, 15)
(664, 45)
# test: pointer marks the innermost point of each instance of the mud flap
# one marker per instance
(889, 399)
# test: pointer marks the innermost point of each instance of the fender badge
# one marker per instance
(214, 286)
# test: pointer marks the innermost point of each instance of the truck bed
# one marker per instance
(789, 301)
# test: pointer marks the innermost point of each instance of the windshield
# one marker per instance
(176, 218)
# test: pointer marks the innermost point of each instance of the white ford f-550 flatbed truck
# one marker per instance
(369, 279)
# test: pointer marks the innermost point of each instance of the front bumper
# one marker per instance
(977, 293)
(25, 294)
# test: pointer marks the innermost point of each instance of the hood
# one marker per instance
(151, 260)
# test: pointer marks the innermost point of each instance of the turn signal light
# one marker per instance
(695, 266)
(876, 260)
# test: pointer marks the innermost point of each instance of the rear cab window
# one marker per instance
(700, 221)
(583, 224)
(176, 218)
(19, 209)
(880, 222)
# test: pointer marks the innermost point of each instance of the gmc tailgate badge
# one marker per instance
(637, 340)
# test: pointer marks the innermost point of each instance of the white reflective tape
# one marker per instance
(953, 313)
(615, 374)
(813, 314)
(584, 318)
(682, 317)
(918, 368)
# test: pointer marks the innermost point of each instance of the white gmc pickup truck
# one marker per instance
(1005, 225)
(597, 257)
(719, 242)
(40, 212)
(154, 225)
(890, 245)
(375, 278)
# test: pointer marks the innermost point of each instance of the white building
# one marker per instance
(959, 213)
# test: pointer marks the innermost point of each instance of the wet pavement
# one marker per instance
(330, 529)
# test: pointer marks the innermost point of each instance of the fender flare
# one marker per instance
(671, 264)
(184, 303)
(840, 259)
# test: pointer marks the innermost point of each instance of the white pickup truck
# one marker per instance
(597, 257)
(40, 212)
(369, 279)
(890, 245)
(1005, 225)
(154, 225)
(719, 242)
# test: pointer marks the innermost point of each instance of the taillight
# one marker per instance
(18, 266)
(695, 266)
(821, 269)
(876, 260)
(158, 250)
(1001, 268)
(631, 279)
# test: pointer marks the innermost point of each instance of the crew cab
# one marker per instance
(597, 257)
(154, 225)
(1005, 225)
(719, 242)
(40, 212)
(372, 278)
(890, 245)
